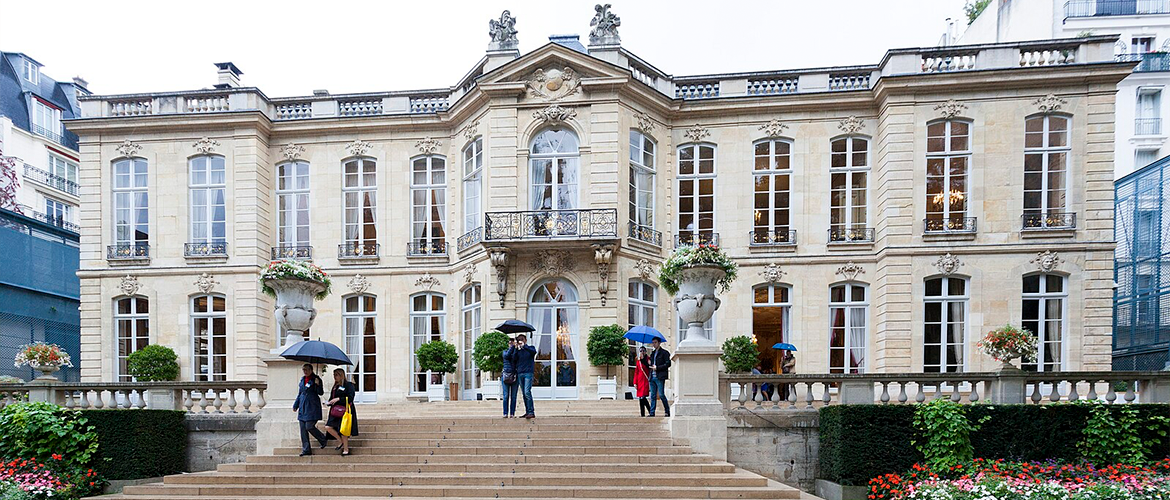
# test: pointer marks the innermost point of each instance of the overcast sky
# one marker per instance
(292, 47)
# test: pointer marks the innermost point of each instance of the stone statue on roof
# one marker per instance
(503, 32)
(605, 25)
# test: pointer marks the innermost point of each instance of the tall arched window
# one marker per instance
(849, 196)
(1044, 314)
(948, 158)
(771, 321)
(428, 312)
(773, 185)
(208, 185)
(131, 217)
(361, 342)
(428, 194)
(132, 324)
(472, 320)
(642, 175)
(209, 337)
(554, 161)
(642, 309)
(292, 204)
(848, 328)
(360, 189)
(1046, 156)
(696, 194)
(944, 326)
(472, 184)
(553, 311)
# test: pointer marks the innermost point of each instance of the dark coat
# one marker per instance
(522, 359)
(344, 394)
(308, 402)
(508, 367)
(661, 359)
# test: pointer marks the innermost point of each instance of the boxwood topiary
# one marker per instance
(437, 356)
(607, 347)
(153, 363)
(489, 351)
(739, 354)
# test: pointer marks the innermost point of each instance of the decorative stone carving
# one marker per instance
(951, 108)
(644, 269)
(552, 262)
(772, 273)
(129, 285)
(358, 284)
(205, 145)
(1047, 261)
(503, 32)
(645, 123)
(427, 280)
(1049, 103)
(553, 84)
(851, 125)
(128, 148)
(292, 151)
(499, 257)
(205, 283)
(850, 270)
(603, 256)
(428, 146)
(555, 114)
(605, 26)
(948, 264)
(469, 273)
(697, 133)
(1120, 47)
(773, 128)
(470, 130)
(358, 148)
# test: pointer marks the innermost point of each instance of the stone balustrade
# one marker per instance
(191, 397)
(745, 392)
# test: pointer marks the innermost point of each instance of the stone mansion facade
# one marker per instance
(884, 216)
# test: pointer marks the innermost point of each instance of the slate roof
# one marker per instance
(16, 95)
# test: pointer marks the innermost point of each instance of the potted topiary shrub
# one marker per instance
(488, 353)
(607, 347)
(153, 363)
(740, 355)
(294, 284)
(693, 274)
(437, 356)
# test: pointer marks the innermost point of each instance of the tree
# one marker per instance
(437, 356)
(153, 363)
(739, 354)
(607, 347)
(488, 351)
(973, 9)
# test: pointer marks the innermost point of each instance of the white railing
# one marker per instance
(206, 104)
(848, 81)
(696, 90)
(136, 107)
(12, 394)
(362, 107)
(428, 104)
(772, 85)
(946, 62)
(192, 397)
(294, 110)
(643, 75)
(1053, 56)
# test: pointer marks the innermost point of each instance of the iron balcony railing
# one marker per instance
(1149, 62)
(426, 247)
(357, 250)
(951, 225)
(645, 233)
(1094, 8)
(205, 249)
(583, 223)
(470, 238)
(49, 179)
(128, 251)
(690, 239)
(44, 132)
(304, 252)
(55, 220)
(1039, 221)
(1147, 126)
(851, 235)
(764, 237)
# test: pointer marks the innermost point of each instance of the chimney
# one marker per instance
(320, 92)
(81, 84)
(229, 75)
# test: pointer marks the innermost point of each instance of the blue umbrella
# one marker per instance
(317, 352)
(644, 334)
(515, 326)
(784, 346)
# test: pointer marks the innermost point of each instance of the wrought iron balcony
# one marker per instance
(764, 237)
(952, 225)
(292, 252)
(128, 251)
(851, 235)
(645, 233)
(426, 247)
(1147, 126)
(551, 224)
(690, 239)
(470, 238)
(1095, 8)
(55, 220)
(358, 250)
(1149, 62)
(49, 179)
(205, 249)
(1039, 221)
(44, 132)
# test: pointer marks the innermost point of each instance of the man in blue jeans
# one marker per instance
(659, 372)
(523, 356)
(509, 390)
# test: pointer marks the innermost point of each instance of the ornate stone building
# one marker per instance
(884, 215)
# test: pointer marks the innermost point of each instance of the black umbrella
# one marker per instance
(317, 352)
(515, 326)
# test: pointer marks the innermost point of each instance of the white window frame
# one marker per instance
(364, 189)
(849, 171)
(434, 206)
(46, 117)
(289, 193)
(849, 305)
(1042, 342)
(63, 168)
(473, 185)
(697, 178)
(134, 336)
(471, 316)
(357, 371)
(209, 188)
(127, 197)
(637, 310)
(774, 300)
(31, 72)
(209, 316)
(560, 160)
(419, 338)
(1046, 151)
(58, 210)
(643, 178)
(945, 300)
(770, 232)
(946, 155)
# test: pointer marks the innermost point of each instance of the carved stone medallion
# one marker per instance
(555, 114)
(205, 145)
(292, 151)
(850, 271)
(697, 133)
(428, 146)
(773, 128)
(427, 280)
(469, 273)
(644, 269)
(951, 108)
(851, 125)
(554, 83)
(128, 148)
(358, 148)
(358, 284)
(772, 273)
(1049, 103)
(948, 264)
(129, 285)
(552, 262)
(205, 283)
(645, 123)
(1047, 261)
(470, 130)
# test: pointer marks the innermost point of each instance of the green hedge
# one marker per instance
(135, 444)
(860, 442)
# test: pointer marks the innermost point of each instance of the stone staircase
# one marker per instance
(465, 450)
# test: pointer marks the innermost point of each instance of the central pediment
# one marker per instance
(551, 73)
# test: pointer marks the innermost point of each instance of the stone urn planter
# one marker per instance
(696, 301)
(46, 371)
(1008, 343)
(294, 306)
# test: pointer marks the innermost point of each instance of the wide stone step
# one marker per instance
(514, 434)
(563, 479)
(335, 489)
(577, 459)
(518, 443)
(385, 468)
(494, 450)
(486, 421)
(364, 425)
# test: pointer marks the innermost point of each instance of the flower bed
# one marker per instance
(294, 269)
(700, 255)
(1001, 480)
(23, 478)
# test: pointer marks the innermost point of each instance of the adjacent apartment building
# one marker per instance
(884, 215)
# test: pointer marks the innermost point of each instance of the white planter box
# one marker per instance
(491, 390)
(436, 392)
(606, 388)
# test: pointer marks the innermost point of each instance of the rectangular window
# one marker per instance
(131, 221)
(208, 199)
(132, 322)
(360, 190)
(641, 179)
(1143, 157)
(472, 327)
(46, 120)
(65, 170)
(1043, 314)
(772, 178)
(1140, 44)
(427, 323)
(848, 315)
(292, 199)
(1046, 156)
(848, 175)
(1149, 112)
(361, 343)
(472, 184)
(945, 325)
(428, 194)
(58, 212)
(948, 154)
(696, 193)
(209, 335)
(642, 309)
(31, 72)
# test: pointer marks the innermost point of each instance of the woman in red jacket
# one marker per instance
(642, 379)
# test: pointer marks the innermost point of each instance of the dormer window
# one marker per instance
(31, 72)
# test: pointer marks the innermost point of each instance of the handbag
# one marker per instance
(346, 422)
(509, 378)
(338, 411)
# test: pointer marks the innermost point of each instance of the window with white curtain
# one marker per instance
(472, 309)
(771, 322)
(361, 342)
(772, 174)
(472, 184)
(554, 160)
(948, 156)
(1043, 314)
(696, 193)
(428, 314)
(131, 221)
(642, 152)
(209, 337)
(848, 328)
(945, 325)
(132, 326)
(292, 199)
(849, 179)
(208, 187)
(1046, 156)
(58, 212)
(428, 194)
(62, 168)
(46, 120)
(360, 190)
(642, 308)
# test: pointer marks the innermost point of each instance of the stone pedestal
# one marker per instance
(164, 399)
(42, 390)
(1009, 387)
(278, 421)
(697, 414)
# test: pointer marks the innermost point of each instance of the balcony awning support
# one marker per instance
(499, 257)
(603, 256)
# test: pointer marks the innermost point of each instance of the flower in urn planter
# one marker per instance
(694, 275)
(294, 284)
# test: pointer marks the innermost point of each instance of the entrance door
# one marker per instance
(553, 311)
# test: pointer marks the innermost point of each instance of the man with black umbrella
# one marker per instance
(523, 358)
(308, 408)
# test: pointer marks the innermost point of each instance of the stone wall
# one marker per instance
(783, 447)
(222, 438)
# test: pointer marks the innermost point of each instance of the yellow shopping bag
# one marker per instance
(346, 422)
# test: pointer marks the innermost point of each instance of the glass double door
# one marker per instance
(553, 311)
